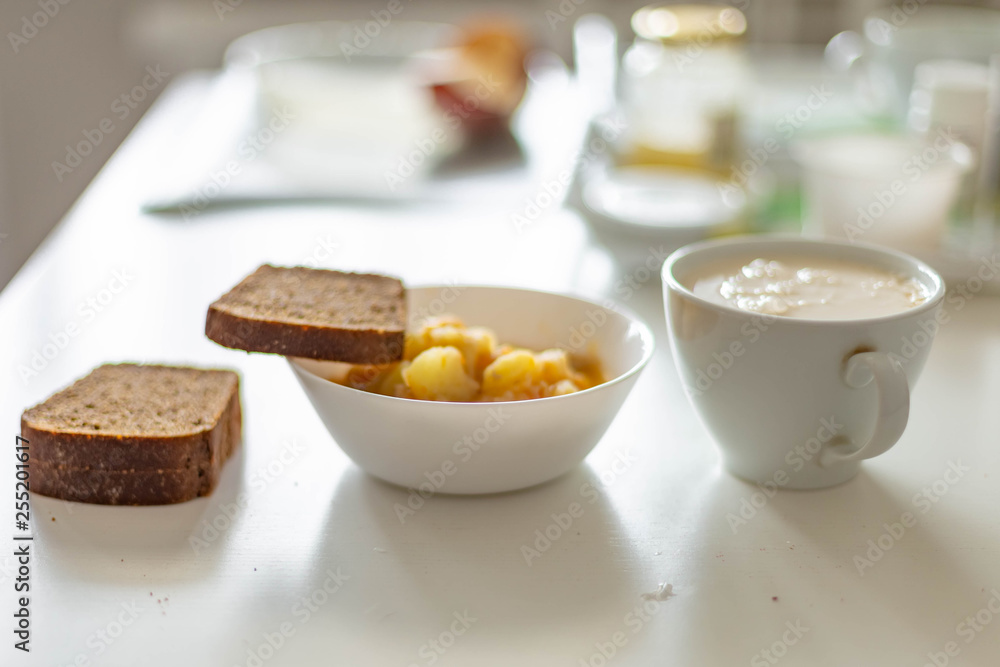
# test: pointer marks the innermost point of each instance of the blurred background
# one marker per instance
(64, 71)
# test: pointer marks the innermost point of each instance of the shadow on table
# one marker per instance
(121, 544)
(895, 567)
(833, 559)
(519, 562)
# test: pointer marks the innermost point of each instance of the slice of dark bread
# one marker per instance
(357, 318)
(132, 434)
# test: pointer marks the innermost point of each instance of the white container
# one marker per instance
(797, 403)
(893, 190)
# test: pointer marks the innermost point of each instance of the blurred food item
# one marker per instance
(446, 361)
(479, 81)
(682, 84)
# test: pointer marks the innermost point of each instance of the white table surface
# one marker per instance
(659, 513)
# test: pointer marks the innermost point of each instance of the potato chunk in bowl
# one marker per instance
(444, 360)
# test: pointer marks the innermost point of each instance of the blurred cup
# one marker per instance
(894, 190)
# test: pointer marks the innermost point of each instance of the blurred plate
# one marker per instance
(341, 40)
(362, 115)
(635, 210)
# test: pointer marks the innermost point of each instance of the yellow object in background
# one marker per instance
(682, 87)
(714, 153)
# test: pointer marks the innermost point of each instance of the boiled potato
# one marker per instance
(512, 373)
(446, 361)
(475, 343)
(364, 377)
(553, 366)
(561, 388)
(392, 382)
(438, 374)
(419, 340)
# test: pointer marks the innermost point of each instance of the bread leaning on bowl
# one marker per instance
(356, 318)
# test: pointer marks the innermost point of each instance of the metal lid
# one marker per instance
(684, 24)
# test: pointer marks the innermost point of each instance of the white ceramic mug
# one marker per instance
(793, 402)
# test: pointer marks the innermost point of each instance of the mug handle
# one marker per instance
(893, 395)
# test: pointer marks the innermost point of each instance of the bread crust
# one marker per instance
(112, 453)
(355, 346)
(103, 487)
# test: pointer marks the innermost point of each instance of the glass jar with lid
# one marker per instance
(682, 81)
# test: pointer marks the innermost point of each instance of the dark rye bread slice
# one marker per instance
(134, 434)
(357, 318)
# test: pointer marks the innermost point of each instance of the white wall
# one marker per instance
(58, 84)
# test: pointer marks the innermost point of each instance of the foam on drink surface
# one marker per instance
(808, 287)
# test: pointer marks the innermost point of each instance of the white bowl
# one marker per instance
(488, 447)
